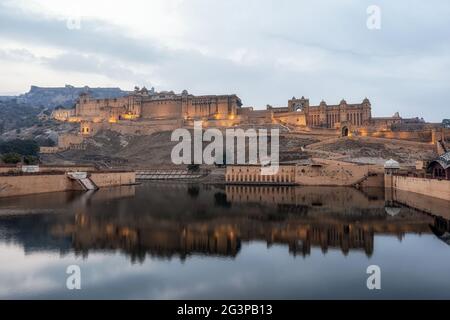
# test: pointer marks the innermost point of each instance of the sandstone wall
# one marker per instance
(292, 118)
(142, 128)
(48, 150)
(5, 168)
(331, 173)
(428, 187)
(43, 183)
(419, 136)
(110, 179)
(39, 183)
(322, 173)
(252, 174)
(161, 109)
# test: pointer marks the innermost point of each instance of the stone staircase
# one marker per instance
(83, 179)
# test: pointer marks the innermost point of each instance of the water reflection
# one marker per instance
(180, 220)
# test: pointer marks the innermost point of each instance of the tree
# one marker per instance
(11, 157)
(30, 160)
(446, 123)
(22, 147)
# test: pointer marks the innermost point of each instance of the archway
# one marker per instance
(298, 107)
(345, 132)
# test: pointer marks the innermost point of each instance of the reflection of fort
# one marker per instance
(316, 199)
(217, 221)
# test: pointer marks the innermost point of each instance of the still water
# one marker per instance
(184, 241)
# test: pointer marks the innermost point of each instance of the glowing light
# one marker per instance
(128, 116)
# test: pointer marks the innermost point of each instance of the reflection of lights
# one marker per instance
(112, 120)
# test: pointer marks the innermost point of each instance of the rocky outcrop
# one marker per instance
(65, 96)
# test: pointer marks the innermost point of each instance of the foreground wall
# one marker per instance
(428, 187)
(321, 173)
(38, 183)
(16, 185)
(110, 179)
(12, 169)
(331, 173)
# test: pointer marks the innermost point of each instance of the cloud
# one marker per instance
(93, 37)
(265, 51)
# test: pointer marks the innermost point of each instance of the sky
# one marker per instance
(265, 51)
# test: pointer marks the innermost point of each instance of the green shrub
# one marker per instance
(11, 157)
(22, 147)
(30, 160)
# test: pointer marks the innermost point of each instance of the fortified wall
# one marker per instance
(144, 112)
(319, 172)
(56, 181)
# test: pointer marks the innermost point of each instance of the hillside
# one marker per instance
(64, 96)
(23, 111)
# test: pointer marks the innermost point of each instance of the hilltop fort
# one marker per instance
(146, 111)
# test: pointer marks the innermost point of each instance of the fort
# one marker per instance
(146, 111)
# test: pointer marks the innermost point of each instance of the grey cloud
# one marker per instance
(17, 55)
(91, 64)
(401, 67)
(93, 37)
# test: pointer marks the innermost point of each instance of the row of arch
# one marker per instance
(279, 178)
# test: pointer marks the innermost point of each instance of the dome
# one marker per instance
(391, 164)
(366, 100)
(343, 101)
(392, 211)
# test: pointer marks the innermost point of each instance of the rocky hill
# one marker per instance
(64, 96)
(15, 115)
(26, 110)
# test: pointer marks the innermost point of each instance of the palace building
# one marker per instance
(148, 105)
(145, 111)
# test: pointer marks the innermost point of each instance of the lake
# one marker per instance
(194, 241)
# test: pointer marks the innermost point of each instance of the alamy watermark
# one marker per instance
(374, 19)
(73, 281)
(190, 150)
(374, 280)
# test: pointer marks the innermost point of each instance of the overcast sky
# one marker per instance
(264, 51)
